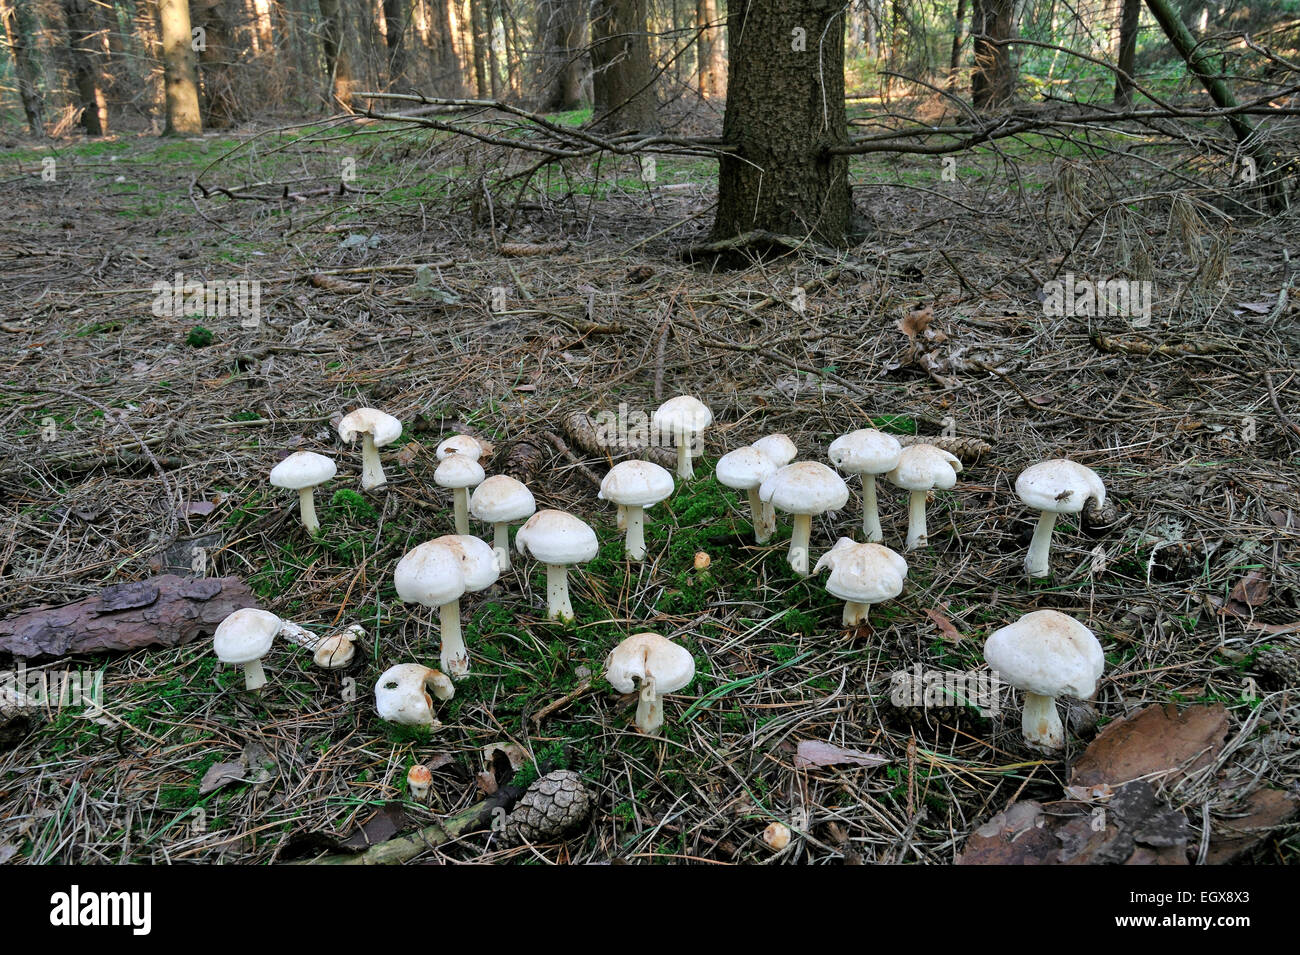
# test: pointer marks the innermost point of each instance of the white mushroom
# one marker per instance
(459, 472)
(782, 451)
(402, 694)
(803, 489)
(502, 501)
(653, 665)
(862, 575)
(867, 452)
(685, 418)
(243, 638)
(636, 485)
(557, 539)
(745, 469)
(377, 429)
(304, 471)
(920, 469)
(337, 650)
(1054, 487)
(1046, 654)
(464, 444)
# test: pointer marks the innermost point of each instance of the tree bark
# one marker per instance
(1128, 34)
(182, 92)
(334, 43)
(222, 106)
(559, 29)
(622, 76)
(21, 32)
(954, 61)
(396, 13)
(785, 109)
(994, 81)
(86, 68)
(713, 67)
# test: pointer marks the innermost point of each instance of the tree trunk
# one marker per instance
(222, 107)
(954, 61)
(21, 33)
(479, 24)
(334, 43)
(182, 92)
(86, 66)
(713, 68)
(623, 79)
(396, 13)
(994, 81)
(1128, 35)
(785, 109)
(559, 30)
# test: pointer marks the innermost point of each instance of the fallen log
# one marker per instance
(162, 611)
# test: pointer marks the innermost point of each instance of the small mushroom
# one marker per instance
(402, 694)
(436, 574)
(464, 444)
(1046, 654)
(803, 489)
(745, 469)
(418, 780)
(1055, 487)
(782, 451)
(654, 666)
(685, 418)
(862, 575)
(921, 468)
(502, 501)
(304, 471)
(557, 539)
(243, 638)
(776, 836)
(459, 472)
(337, 650)
(636, 485)
(870, 453)
(377, 429)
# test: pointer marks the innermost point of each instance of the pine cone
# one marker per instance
(554, 804)
(1278, 668)
(967, 450)
(1098, 520)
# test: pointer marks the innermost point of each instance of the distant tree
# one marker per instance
(1128, 32)
(217, 62)
(713, 65)
(20, 31)
(87, 69)
(179, 81)
(559, 30)
(622, 75)
(396, 14)
(333, 39)
(993, 82)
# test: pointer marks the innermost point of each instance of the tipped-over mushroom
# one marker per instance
(464, 444)
(803, 489)
(1046, 654)
(636, 485)
(402, 694)
(459, 472)
(867, 452)
(862, 575)
(1055, 487)
(377, 429)
(243, 638)
(436, 574)
(304, 471)
(557, 539)
(653, 665)
(745, 469)
(922, 468)
(338, 650)
(502, 501)
(685, 418)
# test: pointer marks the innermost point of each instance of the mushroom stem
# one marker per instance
(454, 657)
(870, 515)
(635, 532)
(461, 505)
(799, 539)
(501, 544)
(684, 469)
(622, 517)
(855, 614)
(649, 709)
(307, 509)
(916, 534)
(769, 520)
(758, 514)
(558, 606)
(1041, 723)
(254, 675)
(1037, 563)
(372, 472)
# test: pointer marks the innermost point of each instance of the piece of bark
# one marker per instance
(162, 611)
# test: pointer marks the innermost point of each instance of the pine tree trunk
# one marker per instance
(20, 32)
(559, 29)
(222, 107)
(713, 68)
(785, 109)
(396, 13)
(182, 92)
(334, 37)
(994, 81)
(623, 79)
(954, 61)
(481, 49)
(86, 67)
(1128, 34)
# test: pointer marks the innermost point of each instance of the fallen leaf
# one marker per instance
(814, 753)
(1250, 591)
(946, 629)
(1232, 838)
(1158, 742)
(1277, 629)
(201, 508)
(916, 321)
(382, 826)
(7, 852)
(221, 774)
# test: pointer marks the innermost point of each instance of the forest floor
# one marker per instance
(1193, 420)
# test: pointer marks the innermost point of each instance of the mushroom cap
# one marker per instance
(556, 537)
(636, 484)
(245, 635)
(647, 654)
(336, 652)
(778, 447)
(478, 561)
(922, 467)
(430, 574)
(401, 694)
(1047, 653)
(745, 468)
(419, 775)
(865, 451)
(805, 487)
(682, 413)
(863, 573)
(458, 470)
(302, 469)
(1059, 485)
(383, 428)
(464, 444)
(501, 499)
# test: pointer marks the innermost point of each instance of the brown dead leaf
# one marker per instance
(814, 753)
(1250, 592)
(916, 321)
(1277, 629)
(1232, 838)
(221, 774)
(382, 826)
(947, 631)
(1158, 742)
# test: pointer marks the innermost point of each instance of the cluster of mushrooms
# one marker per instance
(1046, 654)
